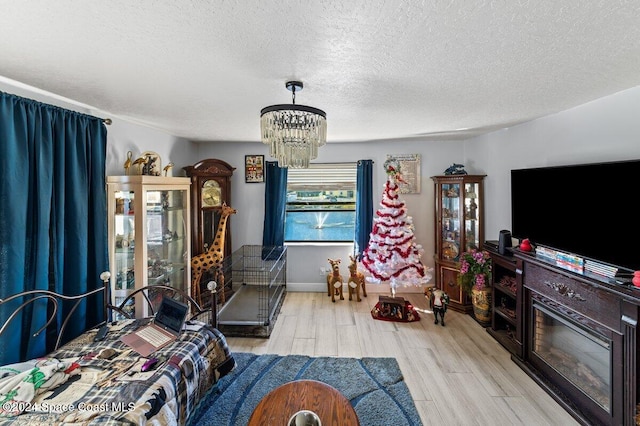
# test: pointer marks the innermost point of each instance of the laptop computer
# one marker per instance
(162, 330)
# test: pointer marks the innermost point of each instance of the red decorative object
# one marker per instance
(636, 278)
(525, 245)
(394, 309)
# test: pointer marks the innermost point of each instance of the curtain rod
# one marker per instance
(106, 121)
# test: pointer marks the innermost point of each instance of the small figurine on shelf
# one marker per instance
(167, 235)
(127, 163)
(165, 200)
(455, 169)
(167, 168)
(471, 212)
(119, 280)
(150, 167)
(525, 245)
(140, 162)
(131, 280)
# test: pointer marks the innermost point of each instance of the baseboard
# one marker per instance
(306, 287)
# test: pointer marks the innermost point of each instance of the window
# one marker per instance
(321, 203)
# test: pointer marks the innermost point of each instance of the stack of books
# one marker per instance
(546, 253)
(563, 260)
(602, 269)
(569, 261)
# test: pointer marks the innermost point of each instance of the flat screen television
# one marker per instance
(585, 209)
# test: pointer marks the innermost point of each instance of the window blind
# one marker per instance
(323, 176)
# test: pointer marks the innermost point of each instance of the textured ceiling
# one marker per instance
(380, 69)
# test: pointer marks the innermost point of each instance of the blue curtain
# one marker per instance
(275, 204)
(364, 205)
(53, 225)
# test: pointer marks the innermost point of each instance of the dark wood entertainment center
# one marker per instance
(574, 333)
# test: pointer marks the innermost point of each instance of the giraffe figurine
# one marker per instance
(212, 258)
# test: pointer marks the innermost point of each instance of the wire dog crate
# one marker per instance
(256, 277)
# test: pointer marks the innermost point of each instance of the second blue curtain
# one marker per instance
(275, 204)
(364, 205)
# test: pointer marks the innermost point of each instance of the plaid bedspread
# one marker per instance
(111, 389)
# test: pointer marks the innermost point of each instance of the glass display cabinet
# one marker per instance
(149, 237)
(459, 227)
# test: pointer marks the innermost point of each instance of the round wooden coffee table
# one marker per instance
(277, 407)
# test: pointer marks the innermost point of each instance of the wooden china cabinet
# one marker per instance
(210, 189)
(459, 227)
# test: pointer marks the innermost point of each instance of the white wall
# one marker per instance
(607, 129)
(123, 136)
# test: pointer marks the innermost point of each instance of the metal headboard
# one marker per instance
(55, 298)
(32, 296)
(196, 311)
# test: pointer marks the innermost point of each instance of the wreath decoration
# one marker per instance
(392, 166)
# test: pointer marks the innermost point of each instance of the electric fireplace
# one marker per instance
(579, 356)
(580, 342)
(575, 357)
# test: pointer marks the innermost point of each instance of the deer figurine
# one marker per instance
(356, 279)
(334, 280)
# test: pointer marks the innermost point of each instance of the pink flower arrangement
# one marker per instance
(475, 270)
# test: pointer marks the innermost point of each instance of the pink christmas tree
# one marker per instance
(392, 254)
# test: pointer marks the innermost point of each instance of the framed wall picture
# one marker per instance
(410, 171)
(254, 168)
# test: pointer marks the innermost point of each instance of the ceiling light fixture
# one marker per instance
(293, 132)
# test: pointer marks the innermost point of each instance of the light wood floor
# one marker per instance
(457, 374)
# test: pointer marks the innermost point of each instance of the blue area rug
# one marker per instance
(374, 386)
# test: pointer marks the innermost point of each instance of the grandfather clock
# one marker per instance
(210, 188)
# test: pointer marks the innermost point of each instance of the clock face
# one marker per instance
(211, 194)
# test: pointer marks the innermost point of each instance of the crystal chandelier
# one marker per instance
(293, 132)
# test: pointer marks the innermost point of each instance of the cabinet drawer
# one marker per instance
(589, 300)
(449, 280)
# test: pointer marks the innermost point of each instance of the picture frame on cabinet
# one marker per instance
(254, 168)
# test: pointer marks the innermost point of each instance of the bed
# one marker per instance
(86, 382)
